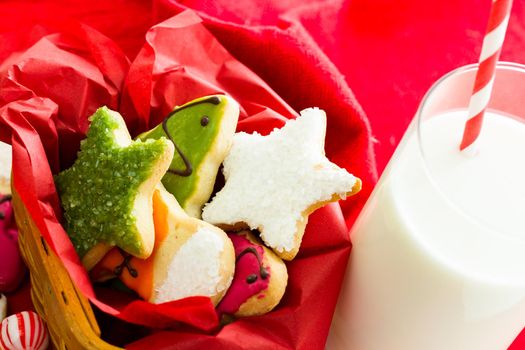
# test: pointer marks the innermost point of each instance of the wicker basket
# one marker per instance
(70, 319)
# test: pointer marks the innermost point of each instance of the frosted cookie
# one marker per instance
(274, 182)
(260, 278)
(191, 257)
(12, 267)
(5, 168)
(107, 193)
(3, 307)
(202, 132)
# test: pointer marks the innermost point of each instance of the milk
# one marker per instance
(438, 259)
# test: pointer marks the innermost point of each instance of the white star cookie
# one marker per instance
(274, 182)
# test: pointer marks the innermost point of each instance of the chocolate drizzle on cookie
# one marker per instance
(263, 272)
(126, 264)
(188, 168)
(205, 120)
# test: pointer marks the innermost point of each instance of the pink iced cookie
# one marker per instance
(12, 268)
(260, 278)
(24, 331)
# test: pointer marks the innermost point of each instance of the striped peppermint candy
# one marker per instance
(490, 51)
(24, 331)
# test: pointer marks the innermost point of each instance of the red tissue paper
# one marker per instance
(48, 92)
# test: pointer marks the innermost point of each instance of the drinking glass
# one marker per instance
(438, 257)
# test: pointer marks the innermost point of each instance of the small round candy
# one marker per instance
(24, 331)
(12, 268)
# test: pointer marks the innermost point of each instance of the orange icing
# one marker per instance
(143, 283)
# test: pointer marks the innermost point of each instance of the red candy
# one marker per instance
(24, 331)
(12, 268)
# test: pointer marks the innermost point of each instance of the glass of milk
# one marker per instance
(438, 259)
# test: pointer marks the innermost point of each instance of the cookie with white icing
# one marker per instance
(190, 258)
(3, 307)
(5, 168)
(274, 182)
(260, 278)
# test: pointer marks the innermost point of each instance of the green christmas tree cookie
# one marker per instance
(202, 132)
(107, 194)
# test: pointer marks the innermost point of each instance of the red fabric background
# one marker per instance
(387, 52)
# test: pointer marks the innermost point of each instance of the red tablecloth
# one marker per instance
(388, 52)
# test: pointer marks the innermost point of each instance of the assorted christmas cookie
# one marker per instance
(191, 257)
(12, 268)
(260, 278)
(274, 182)
(5, 168)
(3, 307)
(24, 331)
(107, 194)
(127, 224)
(202, 132)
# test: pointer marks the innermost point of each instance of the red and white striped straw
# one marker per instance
(490, 51)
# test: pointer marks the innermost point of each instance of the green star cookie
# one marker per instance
(107, 194)
(202, 131)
